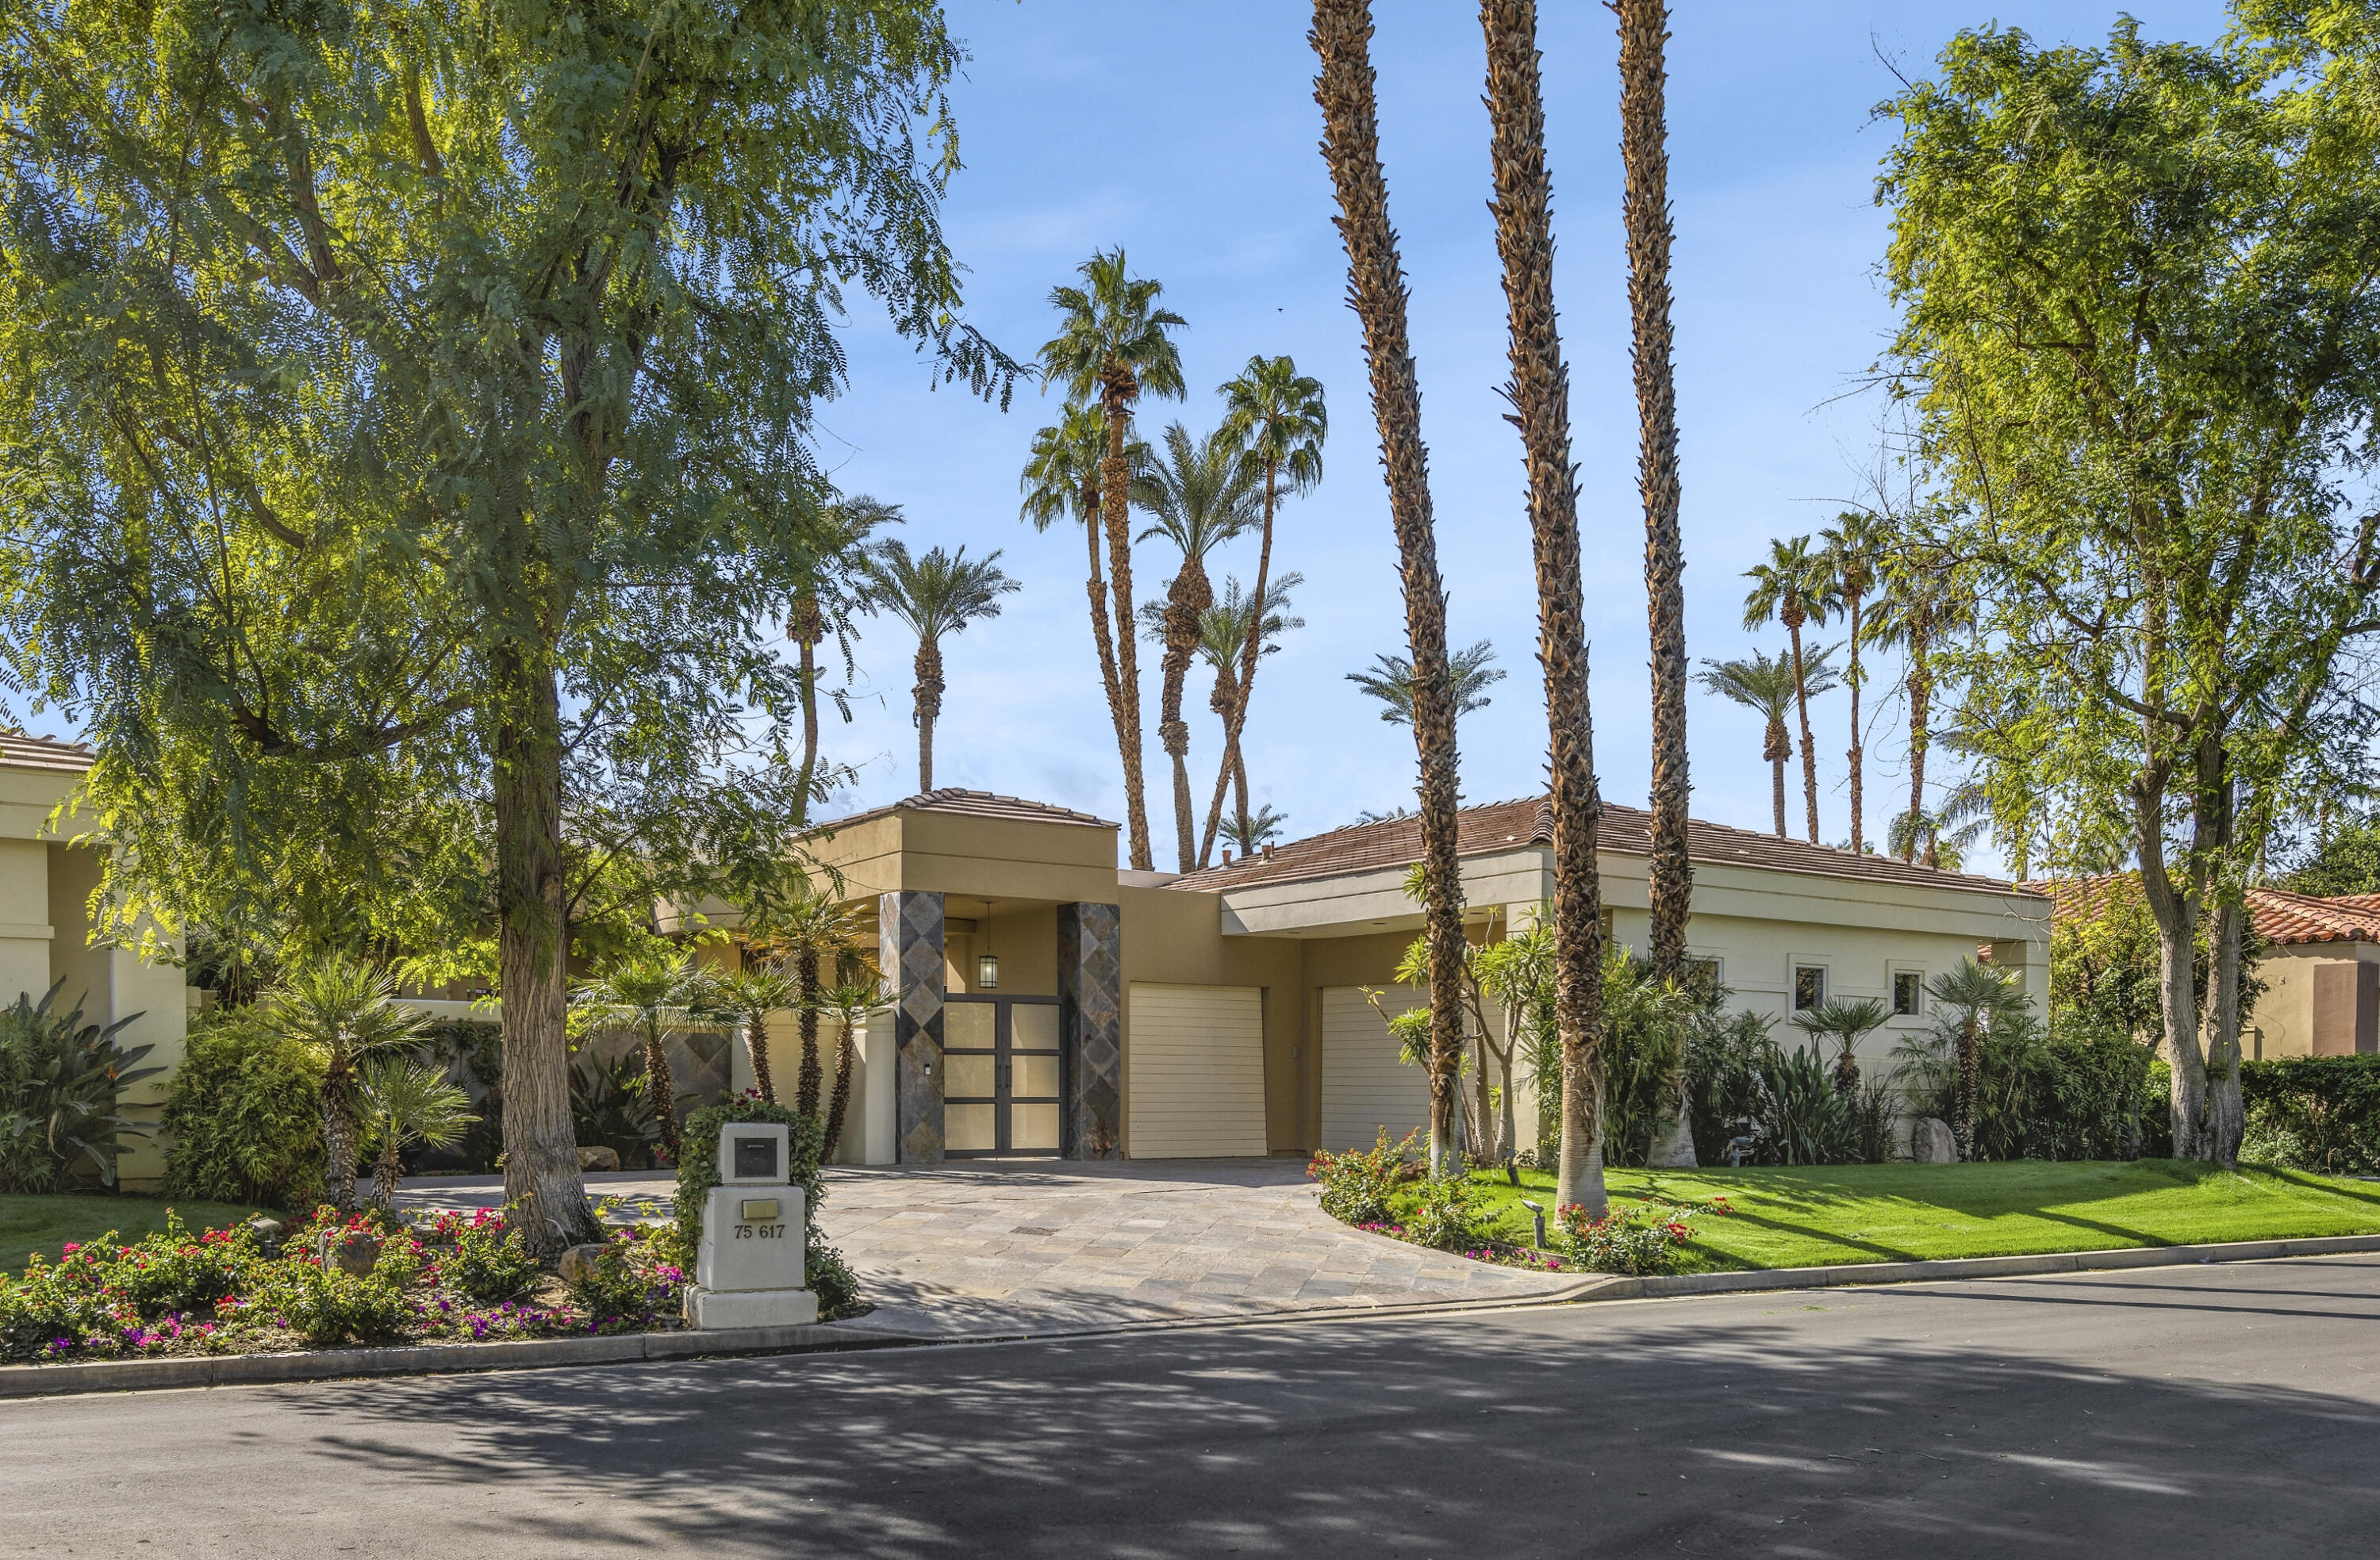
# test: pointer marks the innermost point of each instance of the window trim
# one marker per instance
(1793, 968)
(1893, 971)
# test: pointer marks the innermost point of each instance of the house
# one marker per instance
(1039, 1002)
(46, 883)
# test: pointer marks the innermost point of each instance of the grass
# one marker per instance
(1822, 1216)
(42, 1224)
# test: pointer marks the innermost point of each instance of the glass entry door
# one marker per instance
(1001, 1085)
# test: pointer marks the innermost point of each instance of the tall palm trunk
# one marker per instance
(756, 1043)
(1970, 1085)
(847, 1062)
(1539, 393)
(1097, 588)
(1187, 601)
(808, 628)
(540, 1146)
(1236, 718)
(1793, 621)
(1921, 699)
(1113, 491)
(1351, 145)
(1859, 841)
(806, 987)
(339, 1136)
(662, 1085)
(929, 695)
(1779, 750)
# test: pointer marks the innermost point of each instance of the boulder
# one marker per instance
(353, 1252)
(598, 1158)
(579, 1264)
(1930, 1142)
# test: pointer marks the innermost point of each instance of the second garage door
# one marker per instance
(1364, 1087)
(1197, 1072)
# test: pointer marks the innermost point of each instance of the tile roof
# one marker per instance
(1504, 826)
(18, 750)
(973, 803)
(2278, 915)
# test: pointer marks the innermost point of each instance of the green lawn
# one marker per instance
(1887, 1213)
(29, 1225)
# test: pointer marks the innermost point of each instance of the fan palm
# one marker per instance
(1224, 644)
(1852, 557)
(1923, 600)
(849, 1000)
(1846, 1022)
(1390, 680)
(1062, 481)
(1769, 686)
(937, 594)
(824, 604)
(1114, 345)
(1971, 996)
(653, 992)
(347, 1013)
(817, 938)
(749, 996)
(1790, 587)
(406, 1102)
(1202, 495)
(1278, 415)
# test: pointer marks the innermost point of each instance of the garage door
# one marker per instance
(1196, 1071)
(1365, 1087)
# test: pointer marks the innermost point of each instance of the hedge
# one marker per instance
(2314, 1113)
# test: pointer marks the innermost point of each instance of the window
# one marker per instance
(1908, 993)
(1809, 987)
(1703, 978)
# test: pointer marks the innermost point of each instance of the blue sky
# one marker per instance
(1187, 134)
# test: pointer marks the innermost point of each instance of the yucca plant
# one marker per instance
(60, 1079)
(404, 1102)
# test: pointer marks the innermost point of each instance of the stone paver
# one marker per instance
(1035, 1247)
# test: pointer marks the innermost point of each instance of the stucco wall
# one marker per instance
(2292, 1011)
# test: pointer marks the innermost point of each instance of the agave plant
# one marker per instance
(404, 1102)
(609, 1105)
(60, 1080)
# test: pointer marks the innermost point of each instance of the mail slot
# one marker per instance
(759, 1208)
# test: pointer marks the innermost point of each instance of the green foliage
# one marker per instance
(832, 1281)
(1644, 1036)
(1807, 1120)
(330, 1306)
(2074, 1094)
(626, 1285)
(1358, 1184)
(244, 1119)
(2102, 966)
(100, 1298)
(1727, 1060)
(2314, 1113)
(2344, 861)
(609, 1107)
(697, 1172)
(489, 1262)
(59, 1082)
(1445, 1214)
(1633, 1239)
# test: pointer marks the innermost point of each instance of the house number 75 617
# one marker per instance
(761, 1231)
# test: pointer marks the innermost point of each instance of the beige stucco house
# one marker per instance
(46, 882)
(1041, 1002)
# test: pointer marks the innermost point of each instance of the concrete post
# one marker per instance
(909, 944)
(1090, 1021)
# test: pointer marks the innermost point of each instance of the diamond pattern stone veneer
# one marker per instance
(1090, 1018)
(909, 951)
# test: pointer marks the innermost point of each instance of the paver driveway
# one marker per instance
(1035, 1247)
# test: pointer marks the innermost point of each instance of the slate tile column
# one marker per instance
(1090, 1022)
(909, 951)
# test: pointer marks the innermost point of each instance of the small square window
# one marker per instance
(1908, 993)
(1809, 987)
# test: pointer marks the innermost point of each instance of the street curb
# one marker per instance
(1849, 1275)
(337, 1364)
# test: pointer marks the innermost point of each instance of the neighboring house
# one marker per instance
(1041, 1002)
(46, 932)
(2320, 964)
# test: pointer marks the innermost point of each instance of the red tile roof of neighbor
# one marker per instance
(21, 752)
(973, 803)
(2278, 915)
(1505, 826)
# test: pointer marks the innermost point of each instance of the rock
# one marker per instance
(598, 1159)
(264, 1228)
(579, 1264)
(354, 1251)
(1930, 1142)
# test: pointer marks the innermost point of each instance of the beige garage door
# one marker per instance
(1365, 1087)
(1196, 1071)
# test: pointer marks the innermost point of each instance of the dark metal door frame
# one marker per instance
(1003, 1096)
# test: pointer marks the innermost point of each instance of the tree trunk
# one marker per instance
(2177, 988)
(1114, 492)
(541, 1179)
(806, 986)
(1345, 89)
(1539, 393)
(1921, 692)
(339, 1144)
(387, 1176)
(1236, 718)
(1809, 745)
(1188, 600)
(1240, 790)
(929, 695)
(1963, 1115)
(807, 630)
(1096, 587)
(1859, 839)
(1779, 751)
(662, 1084)
(847, 1058)
(2225, 1111)
(755, 1042)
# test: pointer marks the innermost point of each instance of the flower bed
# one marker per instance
(329, 1281)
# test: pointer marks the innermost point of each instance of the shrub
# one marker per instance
(59, 1081)
(1635, 1240)
(103, 1299)
(836, 1286)
(1446, 1214)
(832, 1281)
(1807, 1121)
(631, 1285)
(244, 1116)
(1356, 1185)
(328, 1306)
(2314, 1113)
(490, 1263)
(1727, 1094)
(2078, 1093)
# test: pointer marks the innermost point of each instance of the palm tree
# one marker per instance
(1253, 831)
(1062, 481)
(939, 593)
(1847, 1022)
(1114, 346)
(1854, 551)
(1792, 587)
(1922, 601)
(1341, 37)
(347, 1013)
(1278, 415)
(819, 938)
(1973, 995)
(1768, 686)
(1539, 393)
(406, 1102)
(1224, 635)
(749, 996)
(849, 1000)
(653, 992)
(1389, 680)
(824, 605)
(1202, 495)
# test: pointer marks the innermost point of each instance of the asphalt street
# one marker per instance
(2202, 1410)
